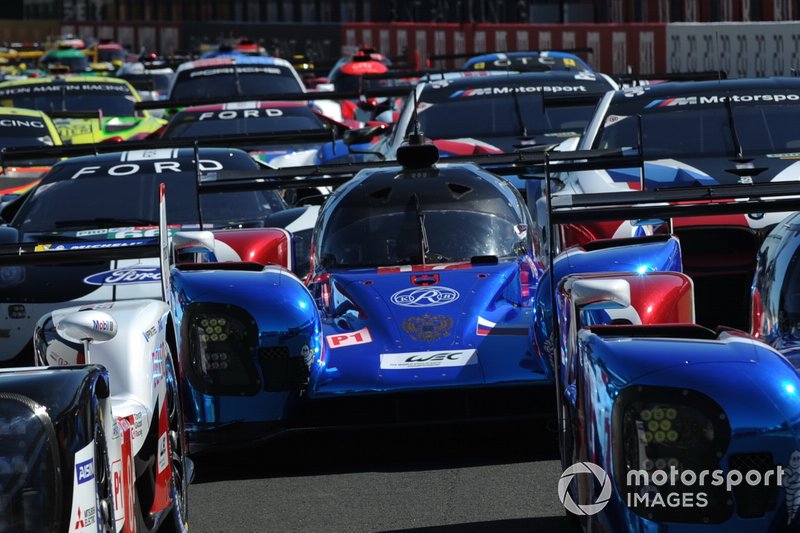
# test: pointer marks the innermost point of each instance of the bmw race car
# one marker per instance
(690, 134)
(85, 110)
(501, 113)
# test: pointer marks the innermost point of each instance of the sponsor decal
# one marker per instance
(90, 246)
(428, 328)
(432, 359)
(788, 155)
(91, 232)
(163, 452)
(229, 114)
(17, 123)
(91, 307)
(159, 364)
(341, 340)
(150, 333)
(487, 91)
(721, 99)
(85, 471)
(425, 296)
(229, 70)
(147, 166)
(102, 325)
(124, 276)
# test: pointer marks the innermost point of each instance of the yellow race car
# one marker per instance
(84, 109)
(26, 128)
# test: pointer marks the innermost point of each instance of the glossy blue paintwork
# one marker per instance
(489, 291)
(284, 314)
(652, 256)
(758, 390)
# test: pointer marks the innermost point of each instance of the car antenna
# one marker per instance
(737, 144)
(198, 177)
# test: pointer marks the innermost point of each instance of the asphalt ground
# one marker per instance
(489, 477)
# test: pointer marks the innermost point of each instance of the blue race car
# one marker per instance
(423, 277)
(666, 425)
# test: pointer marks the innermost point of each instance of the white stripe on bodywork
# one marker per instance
(304, 221)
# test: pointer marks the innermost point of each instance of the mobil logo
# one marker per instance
(425, 296)
(122, 276)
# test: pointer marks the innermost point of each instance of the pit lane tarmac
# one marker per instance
(487, 477)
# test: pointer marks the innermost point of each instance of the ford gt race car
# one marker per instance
(72, 205)
(85, 110)
(692, 134)
(258, 118)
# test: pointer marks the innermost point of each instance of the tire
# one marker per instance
(104, 490)
(177, 521)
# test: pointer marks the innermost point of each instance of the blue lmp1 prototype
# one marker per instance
(666, 425)
(424, 281)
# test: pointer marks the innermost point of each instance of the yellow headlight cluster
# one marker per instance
(659, 426)
(214, 330)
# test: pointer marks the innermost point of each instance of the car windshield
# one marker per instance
(704, 130)
(61, 204)
(112, 99)
(407, 224)
(223, 81)
(189, 124)
(498, 116)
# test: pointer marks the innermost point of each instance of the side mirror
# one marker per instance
(600, 293)
(87, 326)
(364, 135)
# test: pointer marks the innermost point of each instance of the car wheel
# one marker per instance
(103, 485)
(181, 465)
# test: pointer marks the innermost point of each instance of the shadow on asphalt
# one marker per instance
(544, 523)
(382, 450)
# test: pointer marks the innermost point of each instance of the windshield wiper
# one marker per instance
(736, 143)
(423, 235)
(104, 222)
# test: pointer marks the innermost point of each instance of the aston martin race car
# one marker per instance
(692, 134)
(72, 208)
(23, 128)
(85, 110)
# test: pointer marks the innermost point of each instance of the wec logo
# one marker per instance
(424, 296)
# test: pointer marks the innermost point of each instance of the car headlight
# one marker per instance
(659, 430)
(222, 349)
(30, 483)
